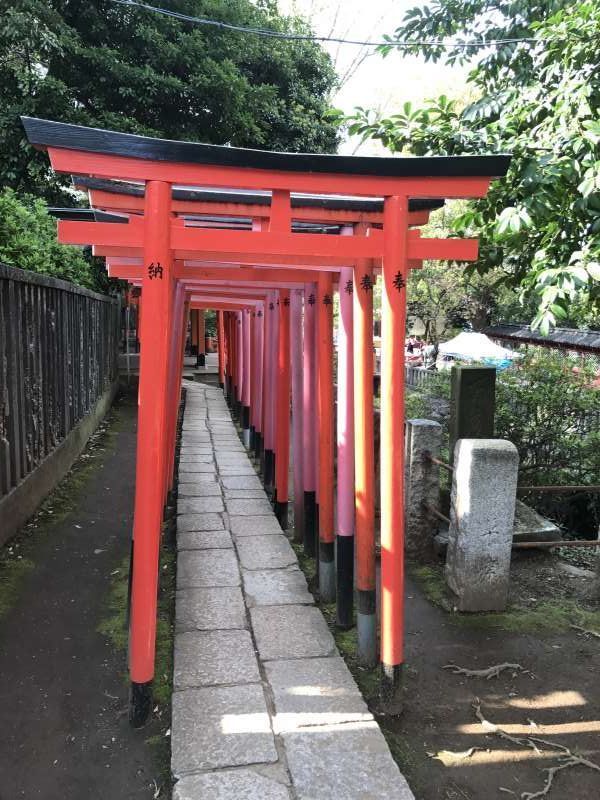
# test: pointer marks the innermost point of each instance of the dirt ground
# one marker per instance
(557, 699)
(63, 693)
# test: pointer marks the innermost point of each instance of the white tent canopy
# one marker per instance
(476, 347)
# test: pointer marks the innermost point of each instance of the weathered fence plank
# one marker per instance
(58, 356)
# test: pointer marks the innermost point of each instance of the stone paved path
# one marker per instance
(264, 708)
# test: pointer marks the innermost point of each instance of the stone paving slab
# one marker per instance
(248, 494)
(266, 525)
(214, 657)
(237, 469)
(196, 450)
(191, 467)
(204, 540)
(199, 489)
(199, 478)
(275, 587)
(264, 708)
(314, 691)
(199, 505)
(220, 727)
(230, 458)
(188, 458)
(199, 522)
(238, 784)
(242, 482)
(215, 608)
(248, 508)
(284, 632)
(202, 568)
(260, 552)
(350, 761)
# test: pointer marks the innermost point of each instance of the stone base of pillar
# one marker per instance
(366, 628)
(245, 417)
(269, 469)
(140, 703)
(345, 582)
(281, 512)
(390, 689)
(201, 360)
(258, 445)
(310, 524)
(326, 572)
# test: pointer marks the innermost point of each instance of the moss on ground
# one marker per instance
(12, 574)
(115, 627)
(114, 624)
(548, 616)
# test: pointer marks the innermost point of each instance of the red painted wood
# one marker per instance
(393, 314)
(282, 418)
(78, 162)
(325, 405)
(364, 451)
(151, 449)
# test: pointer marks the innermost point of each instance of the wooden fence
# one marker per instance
(58, 355)
(417, 376)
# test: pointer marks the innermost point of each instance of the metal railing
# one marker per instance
(437, 514)
(58, 355)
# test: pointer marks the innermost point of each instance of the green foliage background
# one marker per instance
(94, 62)
(539, 101)
(28, 241)
(547, 406)
(549, 410)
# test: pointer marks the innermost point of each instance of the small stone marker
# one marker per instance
(482, 514)
(422, 485)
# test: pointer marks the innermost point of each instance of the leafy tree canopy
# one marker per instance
(538, 100)
(28, 241)
(443, 296)
(94, 62)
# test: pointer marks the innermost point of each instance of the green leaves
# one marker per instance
(101, 64)
(513, 220)
(28, 241)
(542, 104)
(591, 180)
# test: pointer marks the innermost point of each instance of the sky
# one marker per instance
(381, 83)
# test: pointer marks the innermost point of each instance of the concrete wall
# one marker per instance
(22, 501)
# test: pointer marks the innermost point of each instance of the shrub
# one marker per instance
(28, 241)
(552, 414)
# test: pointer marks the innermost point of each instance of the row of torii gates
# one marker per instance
(265, 239)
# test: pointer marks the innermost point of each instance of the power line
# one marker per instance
(298, 37)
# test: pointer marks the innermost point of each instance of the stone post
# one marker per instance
(472, 404)
(484, 487)
(421, 485)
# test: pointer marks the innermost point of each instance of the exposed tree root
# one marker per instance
(451, 757)
(491, 672)
(566, 758)
(586, 631)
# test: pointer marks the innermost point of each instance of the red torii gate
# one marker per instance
(165, 242)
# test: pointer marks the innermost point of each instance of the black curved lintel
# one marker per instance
(46, 133)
